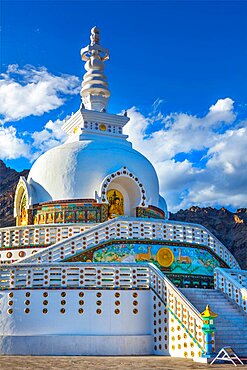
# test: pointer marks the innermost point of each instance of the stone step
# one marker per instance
(223, 307)
(210, 299)
(234, 334)
(215, 299)
(231, 324)
(222, 310)
(224, 327)
(205, 296)
(219, 335)
(231, 342)
(221, 319)
(234, 319)
(235, 329)
(238, 349)
(239, 352)
(232, 339)
(241, 343)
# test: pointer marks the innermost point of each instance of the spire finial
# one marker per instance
(95, 92)
(95, 37)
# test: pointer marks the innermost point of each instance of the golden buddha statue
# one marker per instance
(115, 199)
(23, 212)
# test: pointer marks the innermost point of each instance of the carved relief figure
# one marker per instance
(183, 259)
(144, 256)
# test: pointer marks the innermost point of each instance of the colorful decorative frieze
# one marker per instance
(149, 212)
(187, 266)
(70, 212)
(171, 259)
(84, 211)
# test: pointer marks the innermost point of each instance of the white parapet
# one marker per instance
(124, 228)
(233, 283)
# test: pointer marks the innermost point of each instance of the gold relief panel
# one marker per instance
(91, 216)
(41, 218)
(59, 217)
(80, 216)
(35, 219)
(69, 216)
(80, 213)
(50, 218)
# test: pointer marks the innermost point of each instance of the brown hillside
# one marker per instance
(230, 228)
(8, 181)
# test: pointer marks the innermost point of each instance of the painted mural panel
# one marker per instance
(173, 259)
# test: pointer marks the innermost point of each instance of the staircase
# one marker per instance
(231, 323)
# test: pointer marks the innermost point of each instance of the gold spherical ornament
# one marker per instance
(102, 127)
(165, 257)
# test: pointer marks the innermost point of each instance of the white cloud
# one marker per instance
(52, 135)
(180, 132)
(222, 105)
(32, 91)
(221, 180)
(11, 146)
(31, 145)
(222, 111)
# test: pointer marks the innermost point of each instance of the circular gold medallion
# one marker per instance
(165, 257)
(102, 127)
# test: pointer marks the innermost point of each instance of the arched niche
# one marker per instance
(21, 202)
(129, 186)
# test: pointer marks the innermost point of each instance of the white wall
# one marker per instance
(55, 332)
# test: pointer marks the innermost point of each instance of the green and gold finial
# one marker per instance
(208, 313)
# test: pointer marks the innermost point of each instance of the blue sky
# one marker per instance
(171, 62)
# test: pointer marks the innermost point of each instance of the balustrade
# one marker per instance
(233, 283)
(184, 312)
(35, 235)
(75, 275)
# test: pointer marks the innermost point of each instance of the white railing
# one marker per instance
(233, 283)
(133, 228)
(35, 235)
(75, 275)
(183, 311)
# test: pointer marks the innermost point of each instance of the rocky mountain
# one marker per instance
(230, 228)
(8, 181)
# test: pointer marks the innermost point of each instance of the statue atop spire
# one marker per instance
(95, 38)
(95, 92)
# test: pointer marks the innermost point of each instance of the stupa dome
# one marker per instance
(77, 170)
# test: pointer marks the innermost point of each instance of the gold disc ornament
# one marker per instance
(165, 257)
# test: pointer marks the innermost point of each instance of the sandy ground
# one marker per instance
(104, 363)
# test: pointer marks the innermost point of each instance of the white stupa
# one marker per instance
(94, 267)
(96, 156)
